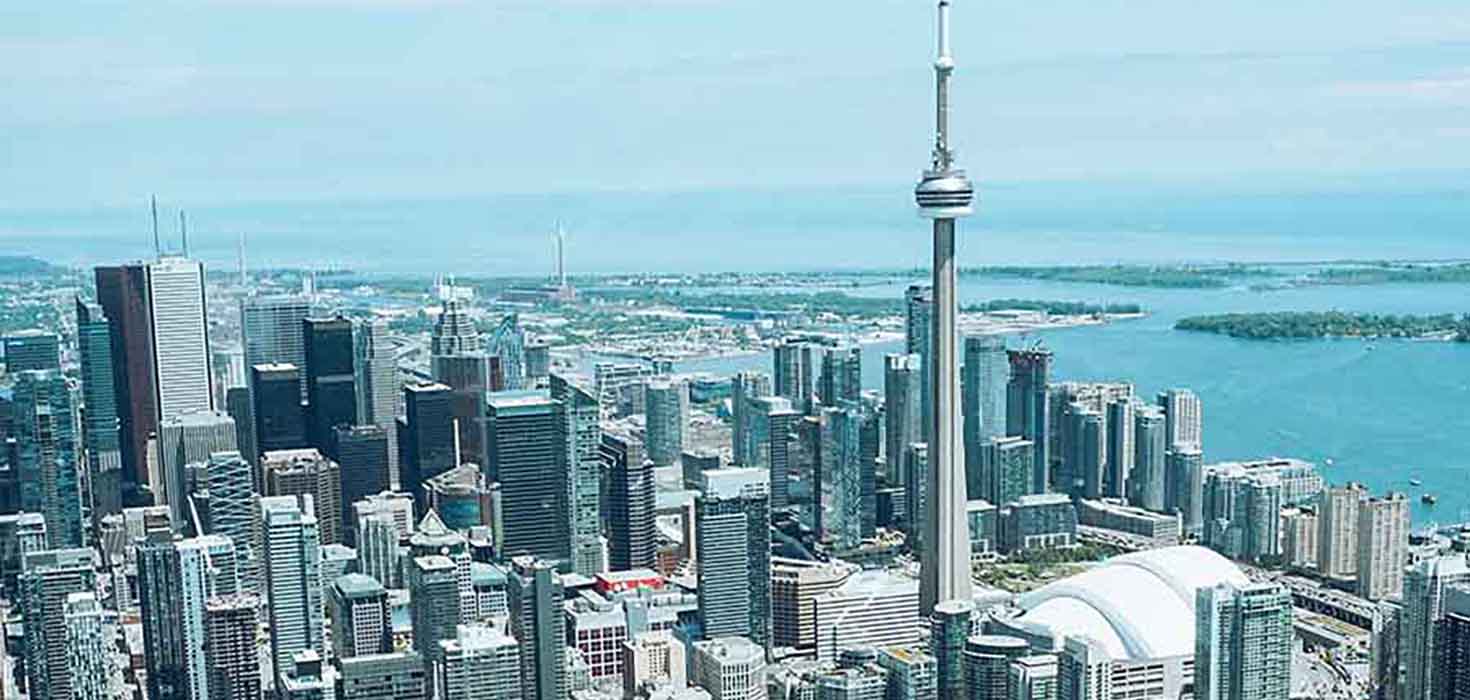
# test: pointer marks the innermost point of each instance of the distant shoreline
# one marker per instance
(1314, 325)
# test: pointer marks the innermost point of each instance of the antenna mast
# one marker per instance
(157, 247)
(184, 231)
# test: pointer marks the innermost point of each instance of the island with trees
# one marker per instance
(1161, 276)
(1294, 325)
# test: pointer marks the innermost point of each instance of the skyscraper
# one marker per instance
(795, 373)
(361, 452)
(1383, 544)
(987, 372)
(528, 456)
(950, 624)
(1085, 459)
(1121, 450)
(508, 343)
(578, 413)
(943, 195)
(433, 585)
(772, 425)
(234, 512)
(457, 361)
(537, 621)
(1183, 417)
(273, 332)
(668, 414)
(1184, 485)
(175, 578)
(839, 480)
(425, 434)
(101, 431)
(918, 340)
(1241, 513)
(390, 676)
(47, 455)
(306, 473)
(49, 578)
(1028, 409)
(1008, 470)
(987, 664)
(1337, 530)
(89, 630)
(31, 350)
(230, 624)
(122, 291)
(842, 375)
(358, 608)
(631, 500)
(378, 386)
(185, 439)
(275, 398)
(1150, 447)
(1033, 677)
(292, 578)
(331, 396)
(482, 662)
(1243, 640)
(733, 550)
(744, 388)
(902, 410)
(181, 355)
(1421, 628)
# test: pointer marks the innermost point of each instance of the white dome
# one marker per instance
(1137, 606)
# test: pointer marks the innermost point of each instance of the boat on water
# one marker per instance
(1328, 461)
(1428, 499)
(1415, 482)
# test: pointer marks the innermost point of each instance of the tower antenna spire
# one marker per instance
(242, 260)
(184, 231)
(153, 206)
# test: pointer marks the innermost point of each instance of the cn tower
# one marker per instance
(943, 195)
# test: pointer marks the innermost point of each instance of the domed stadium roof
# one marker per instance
(1137, 606)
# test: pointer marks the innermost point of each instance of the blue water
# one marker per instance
(1383, 411)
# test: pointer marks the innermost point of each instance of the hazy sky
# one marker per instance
(239, 100)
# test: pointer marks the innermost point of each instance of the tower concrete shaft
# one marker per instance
(944, 194)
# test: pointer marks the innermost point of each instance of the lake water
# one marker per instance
(1383, 411)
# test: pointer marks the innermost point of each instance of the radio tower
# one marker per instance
(943, 195)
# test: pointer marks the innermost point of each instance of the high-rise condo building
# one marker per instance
(795, 373)
(1122, 450)
(987, 371)
(529, 458)
(842, 375)
(331, 396)
(184, 440)
(175, 578)
(1337, 530)
(910, 674)
(950, 624)
(1183, 417)
(292, 578)
(744, 388)
(918, 340)
(733, 551)
(101, 430)
(234, 512)
(1243, 641)
(1150, 448)
(46, 459)
(987, 662)
(32, 350)
(48, 579)
(1033, 677)
(230, 624)
(838, 484)
(902, 411)
(1028, 411)
(631, 503)
(581, 438)
(1241, 513)
(537, 621)
(772, 425)
(1383, 546)
(89, 632)
(1085, 457)
(1184, 485)
(306, 473)
(1008, 471)
(1421, 647)
(668, 414)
